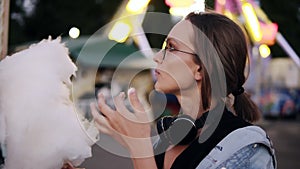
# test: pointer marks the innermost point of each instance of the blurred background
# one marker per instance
(273, 28)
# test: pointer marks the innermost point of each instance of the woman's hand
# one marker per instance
(69, 166)
(131, 129)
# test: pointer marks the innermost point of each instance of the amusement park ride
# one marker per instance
(247, 13)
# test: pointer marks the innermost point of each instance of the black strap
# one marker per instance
(1, 158)
(201, 121)
(159, 150)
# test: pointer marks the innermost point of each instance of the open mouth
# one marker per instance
(156, 72)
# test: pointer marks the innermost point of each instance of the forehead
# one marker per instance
(183, 33)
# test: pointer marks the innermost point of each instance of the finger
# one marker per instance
(119, 102)
(103, 129)
(94, 111)
(101, 122)
(120, 106)
(103, 107)
(134, 100)
(68, 165)
(100, 119)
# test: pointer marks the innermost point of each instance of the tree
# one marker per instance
(56, 17)
(16, 25)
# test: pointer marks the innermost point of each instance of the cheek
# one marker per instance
(166, 84)
(175, 77)
(181, 72)
(184, 79)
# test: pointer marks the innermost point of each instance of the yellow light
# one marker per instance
(229, 14)
(264, 51)
(179, 3)
(119, 32)
(136, 6)
(198, 5)
(74, 32)
(179, 11)
(252, 22)
(164, 45)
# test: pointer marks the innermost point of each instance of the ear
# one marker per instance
(198, 73)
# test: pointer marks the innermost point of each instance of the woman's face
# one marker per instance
(177, 70)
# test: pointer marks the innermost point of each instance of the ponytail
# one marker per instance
(246, 108)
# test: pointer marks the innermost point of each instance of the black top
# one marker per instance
(1, 158)
(196, 152)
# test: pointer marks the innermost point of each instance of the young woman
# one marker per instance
(203, 65)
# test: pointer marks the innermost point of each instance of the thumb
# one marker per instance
(134, 100)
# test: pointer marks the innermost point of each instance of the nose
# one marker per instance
(158, 57)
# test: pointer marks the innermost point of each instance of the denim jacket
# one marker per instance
(244, 148)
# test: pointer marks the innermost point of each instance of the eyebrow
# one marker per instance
(168, 39)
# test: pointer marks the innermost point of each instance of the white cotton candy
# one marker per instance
(38, 121)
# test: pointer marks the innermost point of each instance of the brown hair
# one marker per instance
(229, 42)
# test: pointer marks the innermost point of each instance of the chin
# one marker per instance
(167, 89)
(159, 88)
(156, 87)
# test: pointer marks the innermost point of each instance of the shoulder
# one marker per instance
(246, 146)
(252, 156)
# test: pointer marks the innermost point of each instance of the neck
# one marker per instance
(190, 102)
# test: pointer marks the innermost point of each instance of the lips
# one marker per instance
(156, 72)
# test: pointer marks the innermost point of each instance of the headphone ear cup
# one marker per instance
(163, 125)
(182, 131)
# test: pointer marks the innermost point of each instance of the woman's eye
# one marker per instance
(170, 47)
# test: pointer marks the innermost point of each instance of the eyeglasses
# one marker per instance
(173, 49)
